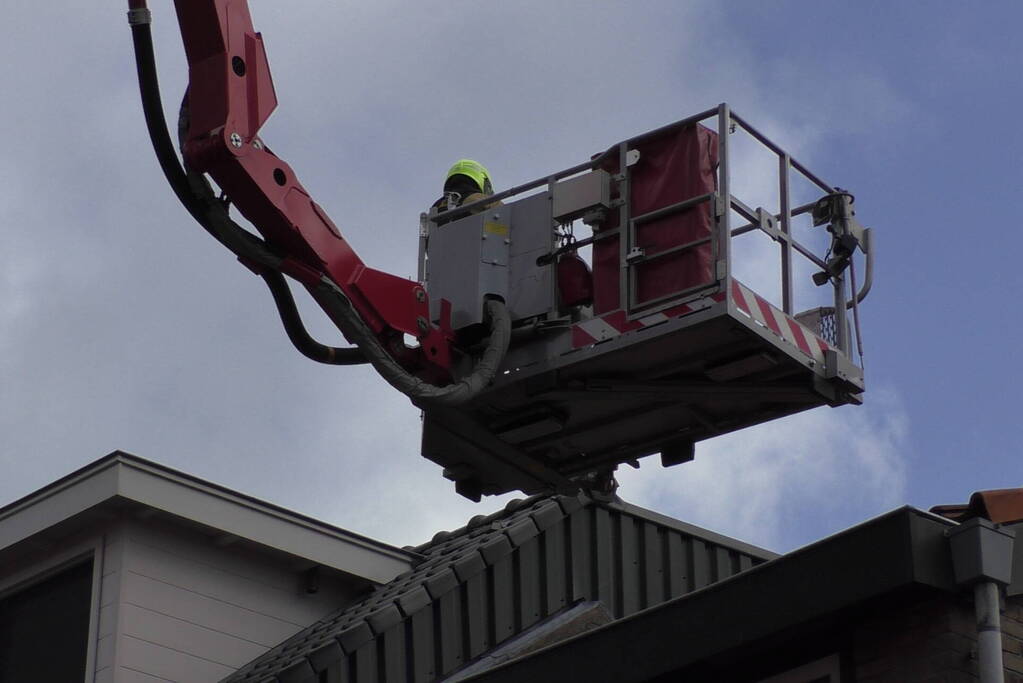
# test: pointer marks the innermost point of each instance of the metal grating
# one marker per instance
(501, 575)
(820, 321)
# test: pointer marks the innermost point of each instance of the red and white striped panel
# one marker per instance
(783, 326)
(617, 323)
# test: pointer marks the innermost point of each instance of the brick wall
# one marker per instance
(1012, 639)
(933, 641)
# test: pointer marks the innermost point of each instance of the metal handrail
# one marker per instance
(728, 121)
(787, 241)
(593, 163)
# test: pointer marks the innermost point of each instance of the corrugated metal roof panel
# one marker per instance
(484, 584)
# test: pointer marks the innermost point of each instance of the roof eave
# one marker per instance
(122, 475)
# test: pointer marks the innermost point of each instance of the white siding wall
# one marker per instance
(109, 591)
(176, 606)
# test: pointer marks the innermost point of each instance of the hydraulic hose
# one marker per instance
(202, 205)
(292, 321)
(868, 277)
(152, 108)
(423, 394)
(197, 196)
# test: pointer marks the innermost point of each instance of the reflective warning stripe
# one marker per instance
(617, 323)
(747, 301)
(769, 316)
(598, 329)
(783, 326)
(800, 337)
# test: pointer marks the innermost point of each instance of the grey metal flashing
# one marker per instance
(494, 579)
(1016, 586)
(694, 531)
(578, 619)
(122, 476)
(902, 550)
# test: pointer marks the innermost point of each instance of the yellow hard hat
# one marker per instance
(473, 170)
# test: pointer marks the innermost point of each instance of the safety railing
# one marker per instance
(830, 321)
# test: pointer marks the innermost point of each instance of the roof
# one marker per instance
(902, 551)
(120, 477)
(1001, 506)
(501, 575)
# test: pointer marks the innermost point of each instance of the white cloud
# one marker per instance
(124, 326)
(788, 482)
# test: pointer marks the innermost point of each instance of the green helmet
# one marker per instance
(473, 170)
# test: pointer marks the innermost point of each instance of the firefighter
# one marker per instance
(467, 181)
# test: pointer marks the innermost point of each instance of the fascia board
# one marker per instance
(62, 500)
(245, 518)
(131, 478)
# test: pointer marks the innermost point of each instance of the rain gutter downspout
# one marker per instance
(982, 558)
(989, 632)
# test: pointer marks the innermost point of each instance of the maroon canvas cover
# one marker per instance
(673, 167)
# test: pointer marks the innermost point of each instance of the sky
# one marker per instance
(124, 326)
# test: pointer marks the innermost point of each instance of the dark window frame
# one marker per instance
(89, 550)
(824, 670)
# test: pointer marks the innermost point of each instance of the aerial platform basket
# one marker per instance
(653, 345)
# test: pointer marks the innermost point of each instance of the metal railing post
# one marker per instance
(424, 236)
(723, 265)
(841, 326)
(624, 231)
(784, 164)
(554, 303)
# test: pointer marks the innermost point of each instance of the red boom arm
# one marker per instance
(230, 96)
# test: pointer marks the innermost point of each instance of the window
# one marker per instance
(44, 628)
(825, 670)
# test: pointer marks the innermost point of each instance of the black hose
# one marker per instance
(197, 196)
(191, 188)
(309, 347)
(423, 394)
(152, 108)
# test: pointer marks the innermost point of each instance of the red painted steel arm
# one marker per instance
(230, 96)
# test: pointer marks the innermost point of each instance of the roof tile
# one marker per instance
(324, 656)
(522, 531)
(441, 583)
(569, 504)
(357, 635)
(469, 565)
(414, 600)
(298, 672)
(1001, 506)
(384, 618)
(451, 558)
(496, 548)
(547, 515)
